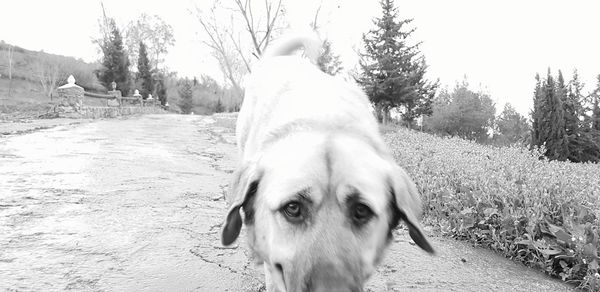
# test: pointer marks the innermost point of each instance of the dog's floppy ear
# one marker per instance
(406, 199)
(242, 190)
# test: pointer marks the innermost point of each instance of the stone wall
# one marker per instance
(70, 99)
(113, 112)
(71, 104)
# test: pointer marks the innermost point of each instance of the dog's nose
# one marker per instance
(279, 269)
(277, 276)
(328, 277)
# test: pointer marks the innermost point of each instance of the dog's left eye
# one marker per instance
(361, 213)
(292, 210)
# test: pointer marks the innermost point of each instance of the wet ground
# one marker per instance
(135, 205)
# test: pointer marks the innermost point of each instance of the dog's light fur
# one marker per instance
(306, 136)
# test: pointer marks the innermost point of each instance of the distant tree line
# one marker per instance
(205, 96)
(146, 41)
(565, 122)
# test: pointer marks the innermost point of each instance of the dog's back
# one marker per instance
(285, 88)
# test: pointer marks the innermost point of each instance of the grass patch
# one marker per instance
(542, 213)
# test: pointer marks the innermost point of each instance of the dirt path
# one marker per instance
(135, 205)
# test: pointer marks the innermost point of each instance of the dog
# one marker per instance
(319, 190)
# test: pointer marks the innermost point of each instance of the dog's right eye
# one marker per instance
(293, 211)
(361, 213)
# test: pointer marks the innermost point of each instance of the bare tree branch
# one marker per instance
(233, 48)
(218, 45)
(238, 47)
(249, 24)
(315, 25)
(49, 71)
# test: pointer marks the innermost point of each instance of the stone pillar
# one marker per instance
(70, 97)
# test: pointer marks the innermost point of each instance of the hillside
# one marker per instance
(34, 77)
(31, 66)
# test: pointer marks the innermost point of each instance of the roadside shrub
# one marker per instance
(512, 200)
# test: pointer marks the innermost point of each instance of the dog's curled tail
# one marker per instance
(308, 41)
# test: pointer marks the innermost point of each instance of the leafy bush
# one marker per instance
(542, 213)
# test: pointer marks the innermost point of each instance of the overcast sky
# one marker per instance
(498, 45)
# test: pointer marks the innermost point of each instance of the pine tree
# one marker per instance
(144, 73)
(186, 97)
(115, 63)
(328, 61)
(393, 72)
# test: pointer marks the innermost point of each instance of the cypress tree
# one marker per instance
(562, 122)
(548, 117)
(115, 63)
(144, 74)
(571, 106)
(558, 134)
(537, 117)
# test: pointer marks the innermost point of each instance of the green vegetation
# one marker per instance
(510, 199)
(208, 96)
(510, 127)
(463, 113)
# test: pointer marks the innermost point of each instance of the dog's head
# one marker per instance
(320, 208)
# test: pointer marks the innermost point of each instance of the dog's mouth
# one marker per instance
(319, 278)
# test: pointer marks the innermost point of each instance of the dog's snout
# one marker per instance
(329, 277)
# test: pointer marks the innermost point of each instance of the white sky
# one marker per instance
(498, 45)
